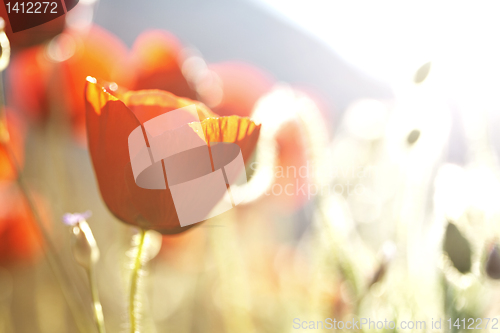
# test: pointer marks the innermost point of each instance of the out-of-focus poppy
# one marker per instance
(97, 53)
(184, 251)
(28, 77)
(20, 239)
(242, 85)
(155, 59)
(292, 119)
(16, 132)
(292, 172)
(110, 121)
(32, 36)
(52, 77)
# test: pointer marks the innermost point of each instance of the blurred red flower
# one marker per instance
(98, 53)
(292, 172)
(16, 133)
(155, 59)
(28, 77)
(110, 121)
(52, 77)
(20, 239)
(242, 85)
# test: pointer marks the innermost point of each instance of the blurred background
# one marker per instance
(372, 193)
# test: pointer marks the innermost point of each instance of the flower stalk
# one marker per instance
(86, 254)
(134, 283)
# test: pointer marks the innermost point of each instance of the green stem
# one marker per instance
(134, 281)
(99, 316)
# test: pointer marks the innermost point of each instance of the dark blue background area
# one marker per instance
(241, 30)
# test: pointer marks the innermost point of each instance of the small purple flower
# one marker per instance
(73, 219)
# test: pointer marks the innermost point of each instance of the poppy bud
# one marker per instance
(458, 249)
(493, 263)
(83, 243)
(422, 73)
(388, 254)
(379, 274)
(413, 136)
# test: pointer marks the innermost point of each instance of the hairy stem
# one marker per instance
(134, 281)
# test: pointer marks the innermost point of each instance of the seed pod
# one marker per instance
(422, 73)
(457, 248)
(379, 274)
(413, 136)
(388, 253)
(85, 249)
(492, 267)
(83, 243)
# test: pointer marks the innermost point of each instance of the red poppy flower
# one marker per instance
(52, 77)
(16, 132)
(292, 133)
(98, 53)
(242, 85)
(29, 75)
(20, 239)
(292, 171)
(111, 120)
(155, 59)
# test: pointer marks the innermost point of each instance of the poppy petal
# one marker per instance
(109, 123)
(148, 104)
(233, 129)
(155, 58)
